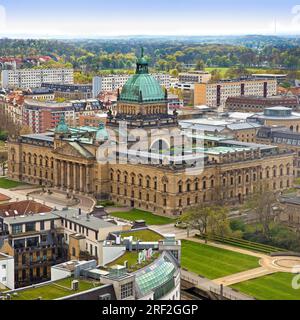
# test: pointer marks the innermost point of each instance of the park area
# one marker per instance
(9, 184)
(277, 286)
(148, 217)
(212, 263)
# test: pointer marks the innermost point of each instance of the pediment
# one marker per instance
(74, 150)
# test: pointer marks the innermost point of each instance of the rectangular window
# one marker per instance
(127, 290)
(42, 225)
(16, 229)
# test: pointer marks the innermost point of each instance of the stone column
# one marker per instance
(75, 177)
(55, 174)
(88, 179)
(62, 174)
(81, 177)
(68, 176)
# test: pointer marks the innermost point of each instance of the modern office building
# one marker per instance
(155, 275)
(33, 78)
(216, 94)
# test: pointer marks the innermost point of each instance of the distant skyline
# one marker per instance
(97, 18)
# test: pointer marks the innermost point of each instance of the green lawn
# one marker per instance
(276, 286)
(50, 292)
(223, 70)
(150, 218)
(9, 184)
(143, 235)
(212, 262)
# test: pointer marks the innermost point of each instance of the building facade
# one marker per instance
(70, 91)
(41, 116)
(114, 82)
(216, 94)
(258, 104)
(157, 177)
(33, 78)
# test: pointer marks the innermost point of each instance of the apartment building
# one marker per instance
(7, 275)
(39, 238)
(41, 116)
(70, 91)
(33, 78)
(195, 77)
(114, 82)
(216, 94)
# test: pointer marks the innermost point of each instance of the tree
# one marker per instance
(236, 72)
(200, 65)
(263, 202)
(207, 220)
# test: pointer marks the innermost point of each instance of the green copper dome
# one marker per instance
(142, 87)
(62, 127)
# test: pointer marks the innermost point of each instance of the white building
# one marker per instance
(114, 82)
(195, 77)
(7, 272)
(33, 78)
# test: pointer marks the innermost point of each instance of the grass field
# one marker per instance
(9, 184)
(143, 235)
(277, 286)
(212, 262)
(150, 218)
(50, 292)
(252, 70)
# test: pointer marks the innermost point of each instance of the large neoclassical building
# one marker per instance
(158, 177)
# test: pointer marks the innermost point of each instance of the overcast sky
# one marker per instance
(148, 17)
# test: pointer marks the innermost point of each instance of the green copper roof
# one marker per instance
(142, 87)
(101, 134)
(62, 127)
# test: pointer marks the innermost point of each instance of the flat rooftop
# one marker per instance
(54, 290)
(85, 220)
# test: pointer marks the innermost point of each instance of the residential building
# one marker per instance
(39, 237)
(7, 274)
(215, 94)
(258, 104)
(39, 94)
(33, 78)
(41, 116)
(195, 77)
(154, 276)
(278, 77)
(70, 91)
